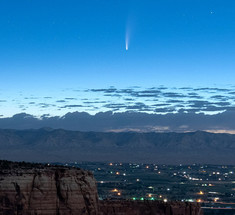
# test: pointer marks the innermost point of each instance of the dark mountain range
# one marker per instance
(49, 145)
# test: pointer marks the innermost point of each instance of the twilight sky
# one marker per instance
(60, 56)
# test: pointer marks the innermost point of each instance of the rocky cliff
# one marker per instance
(41, 190)
(148, 208)
(36, 189)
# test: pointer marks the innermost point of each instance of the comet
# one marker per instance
(127, 37)
(128, 32)
(126, 46)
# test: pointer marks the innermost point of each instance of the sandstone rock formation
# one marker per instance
(148, 208)
(47, 190)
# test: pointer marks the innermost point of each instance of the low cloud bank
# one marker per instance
(126, 121)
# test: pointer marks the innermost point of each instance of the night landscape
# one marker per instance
(117, 107)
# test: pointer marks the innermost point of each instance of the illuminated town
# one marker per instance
(211, 185)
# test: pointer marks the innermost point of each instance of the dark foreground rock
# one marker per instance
(148, 208)
(36, 189)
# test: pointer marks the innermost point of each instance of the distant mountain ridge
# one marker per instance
(52, 145)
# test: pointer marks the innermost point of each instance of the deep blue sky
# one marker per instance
(50, 45)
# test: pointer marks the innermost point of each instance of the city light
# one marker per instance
(147, 186)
